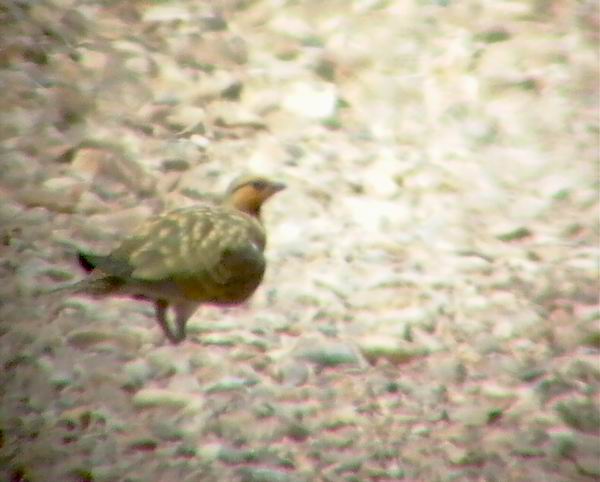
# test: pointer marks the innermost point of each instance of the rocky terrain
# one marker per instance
(430, 310)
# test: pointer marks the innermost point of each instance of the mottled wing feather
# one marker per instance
(204, 243)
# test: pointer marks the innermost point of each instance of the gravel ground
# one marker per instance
(430, 310)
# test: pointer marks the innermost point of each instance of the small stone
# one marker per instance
(175, 165)
(591, 338)
(186, 450)
(421, 430)
(589, 465)
(238, 117)
(564, 444)
(395, 350)
(210, 451)
(552, 387)
(143, 445)
(187, 118)
(580, 414)
(352, 465)
(526, 448)
(264, 410)
(230, 384)
(587, 371)
(450, 370)
(104, 473)
(297, 430)
(54, 199)
(84, 339)
(63, 184)
(326, 353)
(472, 416)
(91, 203)
(137, 373)
(515, 234)
(220, 340)
(313, 100)
(293, 373)
(157, 397)
(185, 383)
(463, 456)
(87, 162)
(497, 392)
(166, 13)
(530, 442)
(167, 431)
(261, 474)
(164, 361)
(235, 456)
(213, 23)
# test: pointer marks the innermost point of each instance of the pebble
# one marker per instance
(497, 392)
(166, 13)
(581, 414)
(326, 353)
(473, 415)
(187, 118)
(165, 361)
(392, 349)
(167, 431)
(312, 100)
(229, 384)
(85, 339)
(137, 372)
(463, 456)
(158, 397)
(293, 373)
(262, 474)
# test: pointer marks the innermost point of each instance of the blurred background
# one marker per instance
(430, 310)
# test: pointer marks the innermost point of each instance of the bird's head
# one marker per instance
(248, 193)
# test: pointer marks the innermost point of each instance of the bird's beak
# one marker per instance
(277, 186)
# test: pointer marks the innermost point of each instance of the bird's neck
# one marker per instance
(247, 204)
(253, 211)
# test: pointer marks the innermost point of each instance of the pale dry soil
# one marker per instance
(430, 310)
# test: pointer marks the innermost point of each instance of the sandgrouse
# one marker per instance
(189, 256)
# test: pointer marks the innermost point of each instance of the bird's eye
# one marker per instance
(259, 185)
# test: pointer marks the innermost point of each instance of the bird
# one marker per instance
(187, 257)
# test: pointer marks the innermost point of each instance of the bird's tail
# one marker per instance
(54, 300)
(92, 286)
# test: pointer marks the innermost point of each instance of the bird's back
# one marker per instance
(203, 253)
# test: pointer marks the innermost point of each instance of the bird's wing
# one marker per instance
(202, 243)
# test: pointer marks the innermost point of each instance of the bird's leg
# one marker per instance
(160, 307)
(183, 311)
